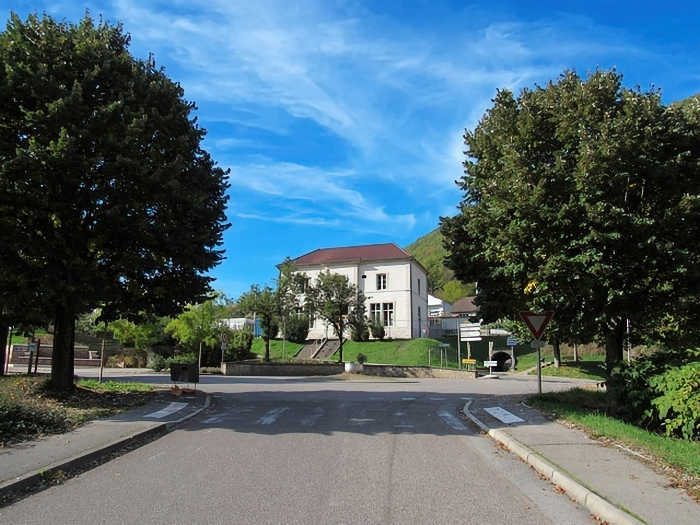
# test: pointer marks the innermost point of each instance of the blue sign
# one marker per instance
(512, 341)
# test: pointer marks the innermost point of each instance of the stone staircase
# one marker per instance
(316, 349)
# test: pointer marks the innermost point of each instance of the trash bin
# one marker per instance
(184, 372)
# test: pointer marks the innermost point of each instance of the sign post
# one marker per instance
(468, 332)
(536, 323)
(224, 340)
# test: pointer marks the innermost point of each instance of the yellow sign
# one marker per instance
(468, 361)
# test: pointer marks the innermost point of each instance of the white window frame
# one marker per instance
(382, 281)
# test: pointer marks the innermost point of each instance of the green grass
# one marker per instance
(29, 408)
(586, 408)
(113, 386)
(275, 348)
(407, 352)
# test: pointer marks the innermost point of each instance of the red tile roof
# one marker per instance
(353, 253)
(465, 306)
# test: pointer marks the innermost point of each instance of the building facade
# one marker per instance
(395, 286)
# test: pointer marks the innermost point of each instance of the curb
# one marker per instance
(575, 490)
(33, 478)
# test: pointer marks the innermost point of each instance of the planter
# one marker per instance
(353, 368)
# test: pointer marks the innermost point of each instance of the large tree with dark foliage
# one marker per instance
(106, 196)
(581, 197)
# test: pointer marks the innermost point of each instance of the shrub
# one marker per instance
(159, 363)
(376, 327)
(361, 358)
(239, 344)
(274, 330)
(638, 386)
(678, 405)
(298, 329)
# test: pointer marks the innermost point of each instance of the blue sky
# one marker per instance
(342, 120)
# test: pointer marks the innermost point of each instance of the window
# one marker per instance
(388, 314)
(419, 294)
(382, 312)
(381, 281)
(375, 312)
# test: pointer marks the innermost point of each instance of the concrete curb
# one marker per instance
(33, 478)
(575, 490)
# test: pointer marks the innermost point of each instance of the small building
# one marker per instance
(395, 286)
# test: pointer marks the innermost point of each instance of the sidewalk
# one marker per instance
(26, 464)
(613, 484)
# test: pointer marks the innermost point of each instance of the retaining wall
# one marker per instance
(327, 369)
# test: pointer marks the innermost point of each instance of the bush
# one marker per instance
(359, 332)
(377, 329)
(159, 363)
(239, 344)
(678, 405)
(650, 390)
(19, 422)
(274, 330)
(298, 329)
(361, 358)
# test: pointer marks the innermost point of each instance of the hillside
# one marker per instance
(429, 251)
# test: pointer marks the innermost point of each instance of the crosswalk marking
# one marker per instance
(170, 409)
(271, 416)
(451, 420)
(313, 419)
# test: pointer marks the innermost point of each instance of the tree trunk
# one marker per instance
(63, 362)
(4, 333)
(575, 353)
(614, 332)
(339, 329)
(556, 350)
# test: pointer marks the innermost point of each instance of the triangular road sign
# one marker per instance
(536, 322)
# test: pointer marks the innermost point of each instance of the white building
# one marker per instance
(395, 285)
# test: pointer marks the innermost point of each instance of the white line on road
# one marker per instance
(451, 420)
(170, 409)
(409, 398)
(271, 416)
(313, 419)
(503, 415)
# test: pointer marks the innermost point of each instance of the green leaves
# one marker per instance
(577, 197)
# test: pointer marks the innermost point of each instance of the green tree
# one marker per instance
(454, 290)
(106, 196)
(200, 325)
(264, 303)
(332, 297)
(580, 197)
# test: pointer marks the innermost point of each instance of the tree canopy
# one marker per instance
(582, 197)
(332, 297)
(106, 197)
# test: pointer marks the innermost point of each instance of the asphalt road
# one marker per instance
(316, 451)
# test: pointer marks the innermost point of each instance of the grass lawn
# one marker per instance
(29, 410)
(275, 349)
(586, 409)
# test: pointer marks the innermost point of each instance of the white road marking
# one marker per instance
(503, 415)
(313, 419)
(212, 420)
(271, 416)
(153, 457)
(362, 421)
(170, 409)
(437, 398)
(451, 420)
(409, 398)
(399, 413)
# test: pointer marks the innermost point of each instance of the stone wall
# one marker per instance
(281, 369)
(327, 369)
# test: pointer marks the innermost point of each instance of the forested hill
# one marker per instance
(429, 251)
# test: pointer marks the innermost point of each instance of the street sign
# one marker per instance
(537, 322)
(470, 332)
(468, 361)
(224, 337)
(490, 363)
(511, 341)
(537, 344)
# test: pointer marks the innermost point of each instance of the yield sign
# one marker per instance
(536, 322)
